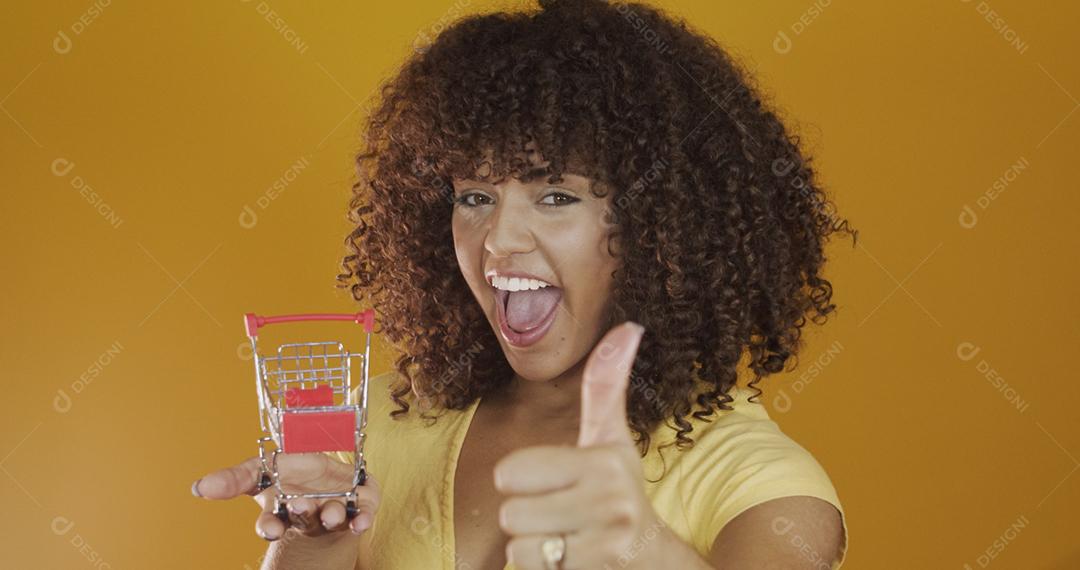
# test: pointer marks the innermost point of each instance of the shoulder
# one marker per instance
(380, 402)
(744, 445)
(419, 427)
(379, 423)
(741, 459)
(787, 532)
(381, 406)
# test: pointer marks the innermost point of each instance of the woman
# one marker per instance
(530, 182)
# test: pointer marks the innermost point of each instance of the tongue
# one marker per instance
(526, 309)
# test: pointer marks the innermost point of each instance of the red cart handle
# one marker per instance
(252, 322)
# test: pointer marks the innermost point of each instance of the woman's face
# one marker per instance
(536, 258)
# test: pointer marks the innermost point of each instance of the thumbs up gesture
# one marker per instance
(592, 495)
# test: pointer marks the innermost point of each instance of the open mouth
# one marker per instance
(525, 316)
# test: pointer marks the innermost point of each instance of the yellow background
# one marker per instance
(177, 117)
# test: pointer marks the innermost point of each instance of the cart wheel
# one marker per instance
(361, 478)
(282, 513)
(350, 510)
(264, 481)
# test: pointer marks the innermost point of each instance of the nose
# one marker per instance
(508, 230)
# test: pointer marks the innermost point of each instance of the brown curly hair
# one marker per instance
(717, 216)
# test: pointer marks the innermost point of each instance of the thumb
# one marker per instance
(604, 386)
(231, 482)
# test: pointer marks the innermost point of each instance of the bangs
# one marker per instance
(501, 103)
(524, 158)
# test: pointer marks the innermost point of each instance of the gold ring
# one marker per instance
(553, 551)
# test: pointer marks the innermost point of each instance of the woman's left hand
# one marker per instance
(592, 494)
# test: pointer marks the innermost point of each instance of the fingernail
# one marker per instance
(298, 509)
(638, 329)
(195, 489)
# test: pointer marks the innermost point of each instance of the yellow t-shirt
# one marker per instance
(739, 459)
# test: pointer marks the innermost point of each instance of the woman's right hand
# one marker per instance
(307, 473)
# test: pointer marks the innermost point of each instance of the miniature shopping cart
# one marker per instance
(307, 402)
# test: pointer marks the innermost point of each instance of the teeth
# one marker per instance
(517, 283)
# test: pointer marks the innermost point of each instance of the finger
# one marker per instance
(361, 522)
(368, 498)
(368, 495)
(332, 515)
(539, 469)
(525, 552)
(304, 515)
(268, 525)
(604, 386)
(560, 512)
(231, 482)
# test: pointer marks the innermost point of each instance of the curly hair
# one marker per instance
(716, 214)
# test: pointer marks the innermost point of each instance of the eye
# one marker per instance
(557, 198)
(472, 199)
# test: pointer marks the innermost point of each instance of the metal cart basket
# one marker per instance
(307, 403)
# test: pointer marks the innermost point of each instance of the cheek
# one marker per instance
(597, 276)
(586, 266)
(467, 247)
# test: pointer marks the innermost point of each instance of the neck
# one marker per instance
(554, 402)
